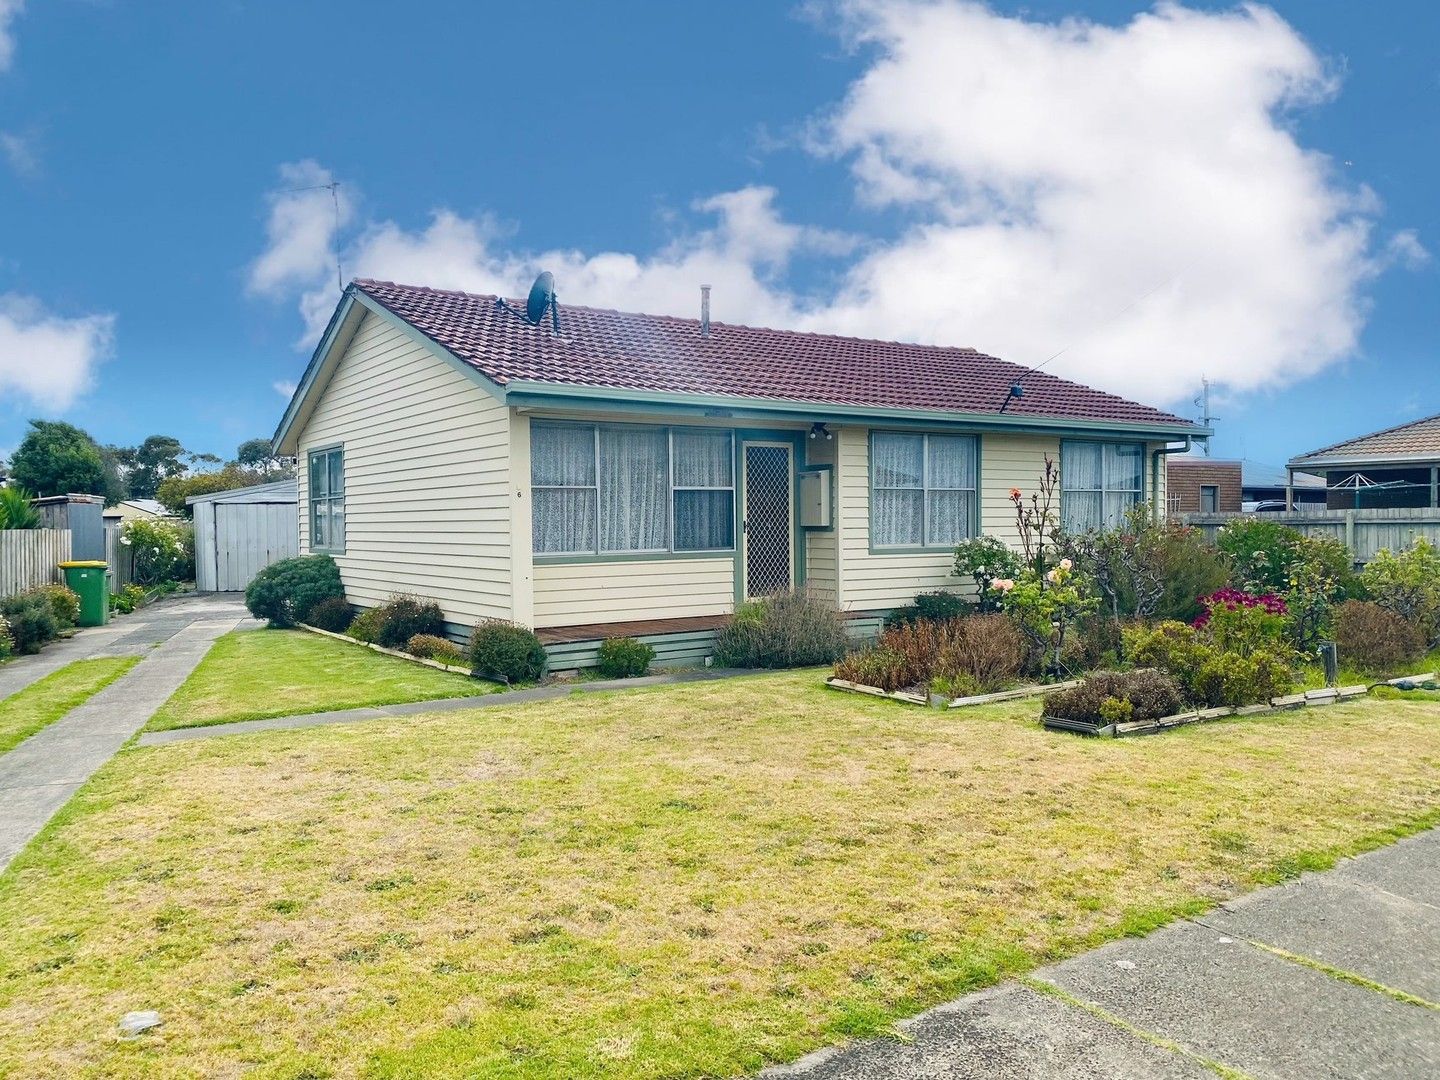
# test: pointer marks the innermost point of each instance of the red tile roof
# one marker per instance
(624, 351)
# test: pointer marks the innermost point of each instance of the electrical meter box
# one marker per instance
(815, 499)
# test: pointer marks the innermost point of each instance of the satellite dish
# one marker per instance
(541, 299)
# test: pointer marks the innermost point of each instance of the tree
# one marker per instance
(176, 489)
(259, 454)
(152, 462)
(56, 458)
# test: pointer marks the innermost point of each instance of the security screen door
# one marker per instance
(769, 536)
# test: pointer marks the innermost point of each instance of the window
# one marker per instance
(608, 489)
(327, 500)
(1099, 483)
(922, 489)
(1209, 498)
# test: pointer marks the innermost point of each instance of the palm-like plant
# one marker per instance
(16, 511)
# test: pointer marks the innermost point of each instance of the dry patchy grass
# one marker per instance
(253, 674)
(680, 881)
(47, 700)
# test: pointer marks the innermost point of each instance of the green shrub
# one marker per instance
(366, 626)
(163, 549)
(1408, 583)
(333, 614)
(1225, 678)
(285, 592)
(624, 658)
(1107, 696)
(985, 559)
(6, 645)
(432, 647)
(32, 621)
(403, 617)
(501, 650)
(64, 602)
(881, 666)
(784, 631)
(127, 599)
(1375, 639)
(936, 606)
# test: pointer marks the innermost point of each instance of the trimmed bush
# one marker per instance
(284, 593)
(32, 621)
(430, 647)
(403, 617)
(1375, 639)
(501, 650)
(783, 631)
(333, 614)
(64, 602)
(1110, 697)
(624, 658)
(366, 626)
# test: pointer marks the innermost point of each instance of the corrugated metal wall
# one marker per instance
(234, 541)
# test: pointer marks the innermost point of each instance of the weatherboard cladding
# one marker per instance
(621, 351)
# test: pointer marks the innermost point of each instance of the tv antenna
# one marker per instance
(542, 299)
(334, 188)
(1203, 404)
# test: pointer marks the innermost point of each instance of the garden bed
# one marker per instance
(915, 697)
(1308, 698)
(397, 653)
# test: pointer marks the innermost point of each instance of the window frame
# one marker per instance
(670, 550)
(1103, 490)
(925, 490)
(330, 498)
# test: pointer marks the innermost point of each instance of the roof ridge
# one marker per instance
(1367, 435)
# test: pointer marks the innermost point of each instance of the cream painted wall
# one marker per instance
(427, 477)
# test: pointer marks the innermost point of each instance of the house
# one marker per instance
(1202, 485)
(1263, 487)
(641, 474)
(1396, 467)
(147, 509)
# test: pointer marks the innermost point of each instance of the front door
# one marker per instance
(768, 532)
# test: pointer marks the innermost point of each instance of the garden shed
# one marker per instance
(238, 533)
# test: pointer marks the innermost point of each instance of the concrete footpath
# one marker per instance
(39, 776)
(1334, 975)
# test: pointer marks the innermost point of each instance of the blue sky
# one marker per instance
(157, 275)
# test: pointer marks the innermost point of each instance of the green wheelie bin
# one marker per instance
(89, 581)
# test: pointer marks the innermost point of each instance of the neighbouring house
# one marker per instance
(1396, 467)
(130, 509)
(1263, 488)
(1202, 485)
(641, 474)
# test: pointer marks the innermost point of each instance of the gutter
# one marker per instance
(1155, 456)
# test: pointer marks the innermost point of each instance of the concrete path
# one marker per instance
(39, 776)
(1334, 975)
(415, 708)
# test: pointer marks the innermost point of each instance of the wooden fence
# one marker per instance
(31, 557)
(121, 558)
(1364, 532)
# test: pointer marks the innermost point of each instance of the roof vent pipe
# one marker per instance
(704, 310)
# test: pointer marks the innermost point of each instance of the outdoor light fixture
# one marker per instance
(817, 431)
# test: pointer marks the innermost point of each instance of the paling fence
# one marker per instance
(31, 557)
(1365, 532)
(121, 558)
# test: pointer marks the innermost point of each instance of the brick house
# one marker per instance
(1201, 485)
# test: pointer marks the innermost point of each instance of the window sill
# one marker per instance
(940, 549)
(634, 556)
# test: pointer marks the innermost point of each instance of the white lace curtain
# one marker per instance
(923, 489)
(1099, 483)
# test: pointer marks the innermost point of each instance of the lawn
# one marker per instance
(46, 700)
(674, 881)
(253, 674)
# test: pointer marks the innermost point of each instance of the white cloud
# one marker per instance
(300, 229)
(9, 12)
(284, 387)
(19, 153)
(1133, 195)
(45, 358)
